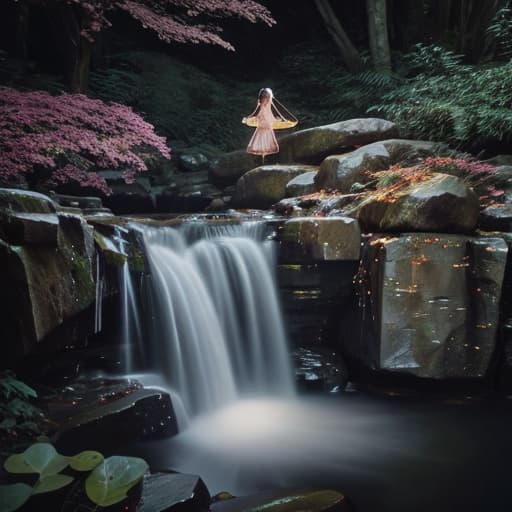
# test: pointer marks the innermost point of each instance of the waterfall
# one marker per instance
(131, 330)
(216, 329)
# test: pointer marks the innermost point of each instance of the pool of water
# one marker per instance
(385, 454)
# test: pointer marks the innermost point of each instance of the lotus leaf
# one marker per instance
(52, 483)
(86, 460)
(13, 496)
(39, 458)
(111, 480)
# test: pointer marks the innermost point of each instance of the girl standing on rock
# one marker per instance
(269, 115)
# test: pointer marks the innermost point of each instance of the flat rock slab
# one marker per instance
(314, 144)
(106, 425)
(286, 501)
(265, 185)
(174, 492)
(15, 200)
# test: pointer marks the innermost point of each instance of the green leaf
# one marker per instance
(23, 388)
(52, 483)
(86, 460)
(111, 480)
(13, 496)
(7, 423)
(39, 458)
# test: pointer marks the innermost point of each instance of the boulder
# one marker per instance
(30, 228)
(314, 144)
(429, 305)
(230, 166)
(500, 160)
(496, 218)
(23, 201)
(133, 197)
(193, 160)
(265, 185)
(342, 171)
(113, 420)
(27, 218)
(320, 239)
(440, 203)
(302, 185)
(283, 500)
(174, 492)
(44, 284)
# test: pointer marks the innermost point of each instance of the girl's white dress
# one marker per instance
(263, 141)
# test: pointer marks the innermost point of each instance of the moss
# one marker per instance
(136, 260)
(84, 288)
(112, 257)
(25, 201)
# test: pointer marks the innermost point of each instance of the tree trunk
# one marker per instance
(22, 30)
(348, 51)
(473, 19)
(410, 22)
(441, 16)
(378, 34)
(78, 48)
(82, 65)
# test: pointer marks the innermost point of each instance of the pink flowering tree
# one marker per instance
(181, 21)
(56, 141)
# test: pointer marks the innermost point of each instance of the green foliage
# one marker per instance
(40, 458)
(108, 482)
(23, 75)
(20, 419)
(432, 60)
(500, 31)
(448, 101)
(183, 102)
(13, 496)
(319, 91)
(86, 460)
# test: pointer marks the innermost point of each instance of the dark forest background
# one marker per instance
(439, 68)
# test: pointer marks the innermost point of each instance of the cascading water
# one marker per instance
(216, 329)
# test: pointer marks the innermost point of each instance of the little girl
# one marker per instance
(266, 118)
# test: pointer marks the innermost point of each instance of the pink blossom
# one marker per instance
(172, 20)
(59, 139)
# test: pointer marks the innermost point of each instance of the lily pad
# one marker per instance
(110, 482)
(86, 460)
(13, 496)
(52, 483)
(39, 458)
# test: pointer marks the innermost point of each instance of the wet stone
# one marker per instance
(318, 238)
(105, 415)
(319, 370)
(291, 500)
(314, 296)
(174, 492)
(30, 228)
(497, 218)
(429, 304)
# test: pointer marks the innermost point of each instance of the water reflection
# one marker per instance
(394, 455)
